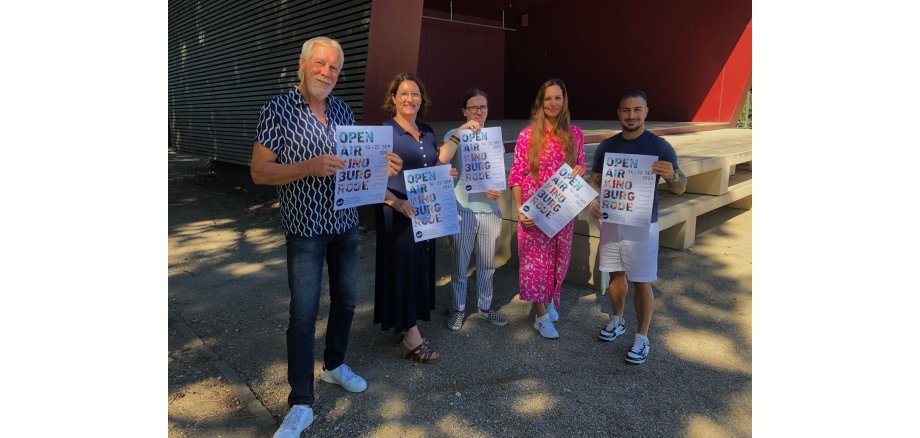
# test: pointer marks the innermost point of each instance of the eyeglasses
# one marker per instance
(476, 109)
(404, 95)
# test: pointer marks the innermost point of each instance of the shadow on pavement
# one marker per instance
(227, 282)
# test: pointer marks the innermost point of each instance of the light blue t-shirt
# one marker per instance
(469, 201)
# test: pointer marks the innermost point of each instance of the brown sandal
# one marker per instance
(402, 337)
(422, 353)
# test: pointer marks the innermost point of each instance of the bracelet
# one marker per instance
(455, 139)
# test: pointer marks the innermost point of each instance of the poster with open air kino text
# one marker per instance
(430, 190)
(627, 189)
(482, 155)
(364, 179)
(558, 200)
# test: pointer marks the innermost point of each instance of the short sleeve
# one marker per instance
(519, 165)
(268, 132)
(667, 153)
(447, 136)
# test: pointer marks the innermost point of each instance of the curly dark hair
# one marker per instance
(390, 108)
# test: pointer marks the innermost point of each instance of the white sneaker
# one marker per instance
(343, 376)
(551, 310)
(296, 421)
(545, 327)
(614, 329)
(639, 351)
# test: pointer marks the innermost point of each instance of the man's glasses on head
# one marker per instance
(476, 109)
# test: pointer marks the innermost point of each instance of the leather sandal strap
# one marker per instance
(427, 353)
(414, 353)
(421, 353)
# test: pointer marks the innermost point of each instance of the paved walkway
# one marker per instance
(228, 303)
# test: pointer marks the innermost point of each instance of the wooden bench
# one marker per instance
(677, 214)
(710, 160)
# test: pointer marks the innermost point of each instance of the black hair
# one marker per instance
(471, 93)
(633, 93)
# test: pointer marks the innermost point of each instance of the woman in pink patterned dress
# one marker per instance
(537, 155)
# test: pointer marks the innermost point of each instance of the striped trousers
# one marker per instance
(478, 231)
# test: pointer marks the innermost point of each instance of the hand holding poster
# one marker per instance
(558, 200)
(364, 178)
(431, 192)
(627, 189)
(482, 157)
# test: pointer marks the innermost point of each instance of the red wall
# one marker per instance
(392, 48)
(692, 57)
(677, 51)
(734, 80)
(454, 57)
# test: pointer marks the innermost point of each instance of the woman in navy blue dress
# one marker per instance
(404, 288)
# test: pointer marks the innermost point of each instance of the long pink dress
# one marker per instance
(544, 261)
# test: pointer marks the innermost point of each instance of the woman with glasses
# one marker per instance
(404, 288)
(480, 220)
(541, 149)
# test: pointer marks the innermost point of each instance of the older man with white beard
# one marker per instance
(295, 151)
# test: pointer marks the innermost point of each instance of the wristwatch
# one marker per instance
(676, 177)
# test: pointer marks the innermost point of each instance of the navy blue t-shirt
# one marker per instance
(646, 144)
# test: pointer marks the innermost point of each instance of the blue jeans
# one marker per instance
(305, 273)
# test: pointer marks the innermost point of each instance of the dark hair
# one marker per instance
(390, 108)
(633, 93)
(471, 93)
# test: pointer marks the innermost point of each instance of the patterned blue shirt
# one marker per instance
(289, 128)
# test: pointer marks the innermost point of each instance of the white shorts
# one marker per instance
(633, 250)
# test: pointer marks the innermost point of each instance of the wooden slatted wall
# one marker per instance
(227, 58)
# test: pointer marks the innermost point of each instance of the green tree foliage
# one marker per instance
(746, 120)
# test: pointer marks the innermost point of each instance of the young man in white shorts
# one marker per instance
(630, 252)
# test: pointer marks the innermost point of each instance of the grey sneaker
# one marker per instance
(296, 421)
(343, 376)
(639, 351)
(455, 322)
(614, 329)
(493, 317)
